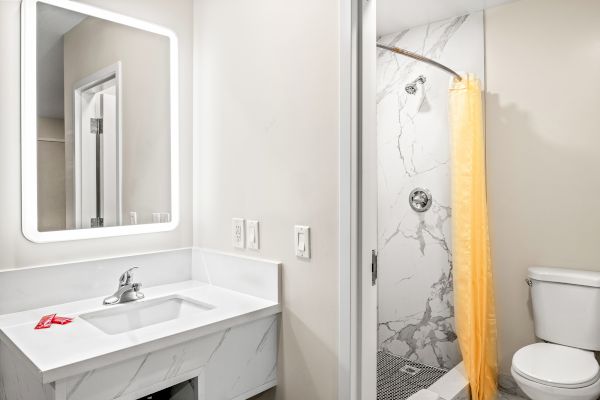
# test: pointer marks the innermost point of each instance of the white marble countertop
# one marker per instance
(67, 350)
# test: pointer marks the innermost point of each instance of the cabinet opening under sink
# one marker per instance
(136, 315)
(182, 391)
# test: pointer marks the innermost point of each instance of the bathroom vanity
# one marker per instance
(217, 328)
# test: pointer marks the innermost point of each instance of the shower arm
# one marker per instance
(419, 57)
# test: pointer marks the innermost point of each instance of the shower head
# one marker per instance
(412, 87)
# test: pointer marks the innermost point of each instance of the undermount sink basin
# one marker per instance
(135, 315)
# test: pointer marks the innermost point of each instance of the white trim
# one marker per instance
(196, 119)
(348, 245)
(367, 154)
(29, 125)
(358, 202)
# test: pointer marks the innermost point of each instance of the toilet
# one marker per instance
(566, 313)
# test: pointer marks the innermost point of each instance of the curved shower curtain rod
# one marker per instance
(419, 58)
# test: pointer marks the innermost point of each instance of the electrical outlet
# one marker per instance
(252, 234)
(237, 231)
(132, 218)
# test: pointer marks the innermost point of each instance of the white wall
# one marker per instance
(268, 84)
(543, 97)
(51, 173)
(15, 250)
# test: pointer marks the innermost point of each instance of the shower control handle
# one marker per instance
(420, 200)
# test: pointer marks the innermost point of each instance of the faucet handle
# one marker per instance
(125, 278)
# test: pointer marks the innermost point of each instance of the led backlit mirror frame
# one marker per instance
(29, 177)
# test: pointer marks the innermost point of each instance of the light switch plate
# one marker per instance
(252, 235)
(302, 241)
(237, 232)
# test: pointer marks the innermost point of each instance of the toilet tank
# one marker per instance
(566, 306)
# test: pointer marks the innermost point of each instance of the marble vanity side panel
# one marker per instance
(245, 361)
(235, 361)
(18, 381)
(249, 275)
(28, 288)
(126, 377)
(415, 285)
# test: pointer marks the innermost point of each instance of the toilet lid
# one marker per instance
(556, 365)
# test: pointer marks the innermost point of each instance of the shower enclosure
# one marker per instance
(416, 337)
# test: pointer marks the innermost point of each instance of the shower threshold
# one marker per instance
(399, 378)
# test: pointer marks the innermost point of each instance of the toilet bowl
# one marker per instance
(566, 315)
(546, 371)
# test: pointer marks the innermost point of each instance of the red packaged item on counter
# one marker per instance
(45, 322)
(61, 320)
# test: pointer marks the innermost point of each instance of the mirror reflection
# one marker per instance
(103, 123)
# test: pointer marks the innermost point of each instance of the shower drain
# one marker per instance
(399, 378)
(410, 370)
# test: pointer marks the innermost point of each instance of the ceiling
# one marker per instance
(53, 23)
(396, 15)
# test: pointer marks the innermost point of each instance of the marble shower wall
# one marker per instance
(416, 311)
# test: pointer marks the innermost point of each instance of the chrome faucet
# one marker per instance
(127, 291)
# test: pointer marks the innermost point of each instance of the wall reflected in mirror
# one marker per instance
(103, 123)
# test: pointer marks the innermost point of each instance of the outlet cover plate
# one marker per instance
(237, 233)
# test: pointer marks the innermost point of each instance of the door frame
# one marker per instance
(348, 364)
(357, 345)
(113, 71)
(367, 156)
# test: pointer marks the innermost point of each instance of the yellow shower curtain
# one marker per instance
(473, 281)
